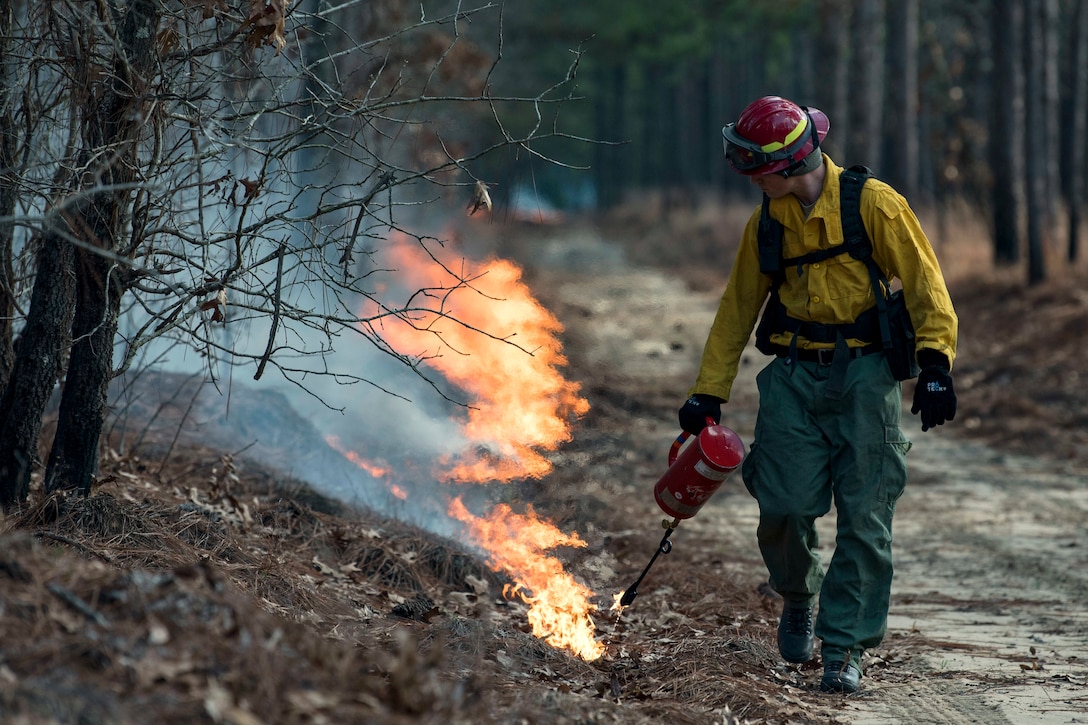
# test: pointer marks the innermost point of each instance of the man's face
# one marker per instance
(773, 185)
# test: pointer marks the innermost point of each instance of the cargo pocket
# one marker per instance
(893, 473)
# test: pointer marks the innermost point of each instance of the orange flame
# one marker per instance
(559, 610)
(485, 333)
(370, 467)
(375, 470)
(490, 337)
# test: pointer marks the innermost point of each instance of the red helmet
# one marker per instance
(774, 135)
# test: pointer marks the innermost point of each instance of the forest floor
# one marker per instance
(202, 587)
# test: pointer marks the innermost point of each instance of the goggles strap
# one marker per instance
(802, 166)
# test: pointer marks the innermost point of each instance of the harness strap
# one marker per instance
(861, 328)
(854, 234)
(868, 324)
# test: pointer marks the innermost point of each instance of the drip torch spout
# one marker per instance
(662, 548)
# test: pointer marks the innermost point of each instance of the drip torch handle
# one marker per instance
(674, 450)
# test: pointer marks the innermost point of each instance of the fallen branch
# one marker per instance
(74, 544)
(76, 603)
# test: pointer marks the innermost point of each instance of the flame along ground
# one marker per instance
(479, 326)
(559, 608)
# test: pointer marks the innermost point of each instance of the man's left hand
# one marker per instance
(934, 397)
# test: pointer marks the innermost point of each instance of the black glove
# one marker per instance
(934, 396)
(697, 409)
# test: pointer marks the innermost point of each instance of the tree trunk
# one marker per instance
(720, 175)
(1078, 77)
(903, 87)
(73, 459)
(609, 174)
(833, 50)
(1053, 143)
(38, 361)
(1006, 144)
(114, 124)
(1034, 148)
(867, 68)
(8, 193)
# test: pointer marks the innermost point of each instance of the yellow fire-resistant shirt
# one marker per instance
(836, 290)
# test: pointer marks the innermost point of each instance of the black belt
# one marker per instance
(824, 356)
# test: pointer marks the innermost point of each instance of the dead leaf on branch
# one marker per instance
(168, 39)
(217, 305)
(480, 198)
(267, 17)
(252, 187)
(209, 8)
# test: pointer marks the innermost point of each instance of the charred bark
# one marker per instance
(38, 362)
(115, 122)
(73, 458)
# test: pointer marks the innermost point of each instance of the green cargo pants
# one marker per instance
(809, 450)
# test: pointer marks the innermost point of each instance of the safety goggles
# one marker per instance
(749, 157)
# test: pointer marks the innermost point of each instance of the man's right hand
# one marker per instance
(697, 409)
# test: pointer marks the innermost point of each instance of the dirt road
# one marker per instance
(988, 623)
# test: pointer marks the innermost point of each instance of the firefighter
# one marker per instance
(828, 427)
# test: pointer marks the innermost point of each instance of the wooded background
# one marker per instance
(976, 101)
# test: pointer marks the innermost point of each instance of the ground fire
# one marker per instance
(479, 326)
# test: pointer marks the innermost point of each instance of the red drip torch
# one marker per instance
(692, 477)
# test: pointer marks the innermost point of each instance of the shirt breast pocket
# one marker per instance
(847, 278)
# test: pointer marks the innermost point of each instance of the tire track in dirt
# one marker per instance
(933, 704)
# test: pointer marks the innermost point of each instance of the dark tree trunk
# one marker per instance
(719, 115)
(8, 194)
(655, 127)
(1052, 141)
(1078, 78)
(73, 461)
(867, 68)
(833, 50)
(609, 172)
(38, 361)
(1006, 144)
(1035, 120)
(903, 89)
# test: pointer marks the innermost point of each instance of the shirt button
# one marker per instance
(816, 299)
(816, 265)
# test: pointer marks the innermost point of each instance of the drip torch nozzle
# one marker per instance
(662, 548)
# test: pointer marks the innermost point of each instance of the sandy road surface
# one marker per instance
(989, 621)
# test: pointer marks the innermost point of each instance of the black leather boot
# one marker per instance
(840, 676)
(795, 640)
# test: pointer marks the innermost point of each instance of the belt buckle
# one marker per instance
(825, 356)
